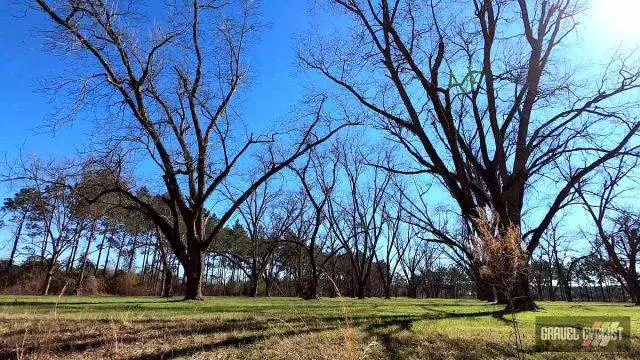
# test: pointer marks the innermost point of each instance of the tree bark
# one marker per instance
(484, 291)
(311, 292)
(360, 290)
(193, 273)
(15, 241)
(520, 295)
(132, 256)
(253, 285)
(83, 264)
(47, 283)
(167, 282)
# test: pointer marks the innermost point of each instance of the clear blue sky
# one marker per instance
(275, 86)
(275, 83)
(24, 63)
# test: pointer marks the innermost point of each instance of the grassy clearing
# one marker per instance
(275, 328)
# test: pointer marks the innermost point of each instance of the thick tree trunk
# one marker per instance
(412, 293)
(484, 290)
(520, 295)
(567, 290)
(267, 286)
(634, 290)
(387, 291)
(412, 289)
(193, 273)
(311, 292)
(360, 290)
(253, 285)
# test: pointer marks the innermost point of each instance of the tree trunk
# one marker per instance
(360, 290)
(634, 290)
(253, 285)
(45, 243)
(412, 289)
(311, 293)
(167, 282)
(520, 295)
(267, 286)
(15, 242)
(132, 256)
(83, 264)
(567, 290)
(95, 270)
(106, 259)
(193, 273)
(484, 291)
(115, 269)
(50, 269)
(48, 277)
(47, 283)
(72, 257)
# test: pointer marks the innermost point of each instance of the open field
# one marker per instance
(275, 328)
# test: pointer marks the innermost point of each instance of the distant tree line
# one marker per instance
(342, 229)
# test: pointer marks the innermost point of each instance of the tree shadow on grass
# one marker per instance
(232, 341)
(386, 329)
(141, 331)
(257, 329)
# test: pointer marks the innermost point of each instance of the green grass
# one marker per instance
(231, 327)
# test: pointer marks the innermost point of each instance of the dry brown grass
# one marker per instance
(215, 338)
(237, 328)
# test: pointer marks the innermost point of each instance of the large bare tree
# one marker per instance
(167, 87)
(482, 95)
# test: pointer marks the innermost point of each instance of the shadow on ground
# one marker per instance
(186, 337)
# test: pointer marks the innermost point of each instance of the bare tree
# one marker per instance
(618, 228)
(357, 219)
(259, 219)
(396, 243)
(318, 176)
(173, 94)
(418, 258)
(517, 119)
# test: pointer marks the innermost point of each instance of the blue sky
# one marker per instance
(276, 83)
(24, 63)
(275, 87)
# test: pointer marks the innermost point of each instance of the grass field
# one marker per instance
(276, 328)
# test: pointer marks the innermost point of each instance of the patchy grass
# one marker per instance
(276, 328)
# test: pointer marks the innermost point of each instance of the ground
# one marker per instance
(278, 328)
